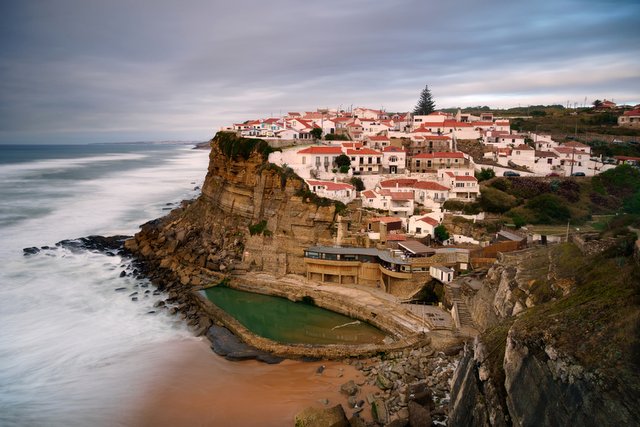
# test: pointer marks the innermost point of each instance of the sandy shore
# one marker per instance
(195, 387)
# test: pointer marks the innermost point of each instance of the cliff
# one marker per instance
(562, 344)
(251, 214)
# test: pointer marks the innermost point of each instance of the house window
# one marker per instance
(549, 161)
(369, 168)
(417, 163)
(304, 160)
(369, 160)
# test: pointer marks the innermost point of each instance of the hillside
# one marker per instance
(572, 357)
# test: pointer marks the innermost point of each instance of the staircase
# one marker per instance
(463, 316)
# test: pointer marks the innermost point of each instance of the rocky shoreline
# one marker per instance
(411, 385)
(398, 388)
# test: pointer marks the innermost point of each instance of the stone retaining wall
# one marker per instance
(331, 351)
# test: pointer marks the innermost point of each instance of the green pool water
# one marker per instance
(289, 322)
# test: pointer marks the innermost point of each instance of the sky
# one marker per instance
(83, 71)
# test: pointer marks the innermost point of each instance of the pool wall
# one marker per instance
(379, 316)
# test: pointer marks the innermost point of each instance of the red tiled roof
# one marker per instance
(429, 220)
(456, 124)
(393, 149)
(430, 185)
(331, 186)
(363, 151)
(321, 150)
(401, 182)
(482, 123)
(369, 194)
(440, 155)
(466, 178)
(378, 138)
(352, 144)
(632, 113)
(401, 195)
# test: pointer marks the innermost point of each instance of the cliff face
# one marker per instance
(569, 356)
(250, 215)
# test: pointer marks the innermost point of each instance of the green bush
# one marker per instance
(233, 146)
(502, 184)
(548, 209)
(344, 169)
(496, 201)
(357, 182)
(336, 137)
(485, 174)
(259, 228)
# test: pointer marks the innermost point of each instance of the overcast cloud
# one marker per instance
(96, 71)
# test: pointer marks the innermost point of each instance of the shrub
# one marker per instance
(343, 160)
(548, 209)
(441, 233)
(259, 228)
(336, 137)
(344, 169)
(496, 201)
(485, 174)
(233, 146)
(502, 184)
(357, 182)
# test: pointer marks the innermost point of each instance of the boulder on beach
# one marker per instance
(323, 417)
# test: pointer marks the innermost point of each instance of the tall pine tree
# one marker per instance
(425, 105)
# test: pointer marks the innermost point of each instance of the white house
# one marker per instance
(365, 160)
(441, 273)
(630, 118)
(421, 226)
(430, 194)
(394, 160)
(342, 192)
(397, 203)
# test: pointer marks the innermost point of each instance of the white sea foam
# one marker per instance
(72, 349)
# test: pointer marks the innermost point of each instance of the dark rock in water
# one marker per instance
(120, 289)
(151, 312)
(166, 209)
(134, 299)
(95, 243)
(320, 369)
(147, 291)
(123, 273)
(30, 251)
(46, 247)
(349, 388)
(159, 304)
(133, 293)
(225, 344)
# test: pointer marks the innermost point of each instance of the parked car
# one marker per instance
(510, 173)
(578, 174)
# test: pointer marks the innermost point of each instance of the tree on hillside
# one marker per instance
(357, 182)
(425, 105)
(441, 233)
(343, 160)
(316, 133)
(597, 104)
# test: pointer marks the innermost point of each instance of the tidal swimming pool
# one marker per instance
(291, 322)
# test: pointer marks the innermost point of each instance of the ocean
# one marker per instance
(66, 337)
(73, 351)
